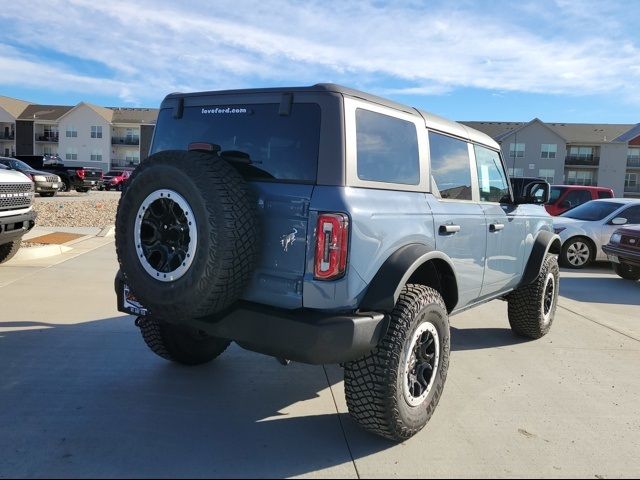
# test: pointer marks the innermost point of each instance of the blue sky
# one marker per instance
(559, 60)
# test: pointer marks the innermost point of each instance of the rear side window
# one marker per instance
(577, 197)
(632, 214)
(387, 149)
(602, 194)
(269, 146)
(450, 167)
(491, 177)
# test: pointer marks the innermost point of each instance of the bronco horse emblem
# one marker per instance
(287, 240)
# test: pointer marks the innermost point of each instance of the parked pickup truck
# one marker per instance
(16, 212)
(81, 179)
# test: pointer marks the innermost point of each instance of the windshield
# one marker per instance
(555, 194)
(256, 138)
(592, 211)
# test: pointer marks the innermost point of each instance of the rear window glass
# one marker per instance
(387, 149)
(264, 144)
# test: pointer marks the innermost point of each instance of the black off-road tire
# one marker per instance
(179, 344)
(225, 211)
(374, 385)
(626, 271)
(82, 190)
(66, 186)
(8, 250)
(532, 308)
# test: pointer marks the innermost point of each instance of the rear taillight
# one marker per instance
(80, 173)
(332, 245)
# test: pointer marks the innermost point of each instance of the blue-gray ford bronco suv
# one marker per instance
(326, 225)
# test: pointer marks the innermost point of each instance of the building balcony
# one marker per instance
(582, 160)
(47, 138)
(633, 162)
(122, 162)
(10, 136)
(125, 140)
(583, 182)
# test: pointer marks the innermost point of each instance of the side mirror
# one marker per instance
(619, 221)
(537, 192)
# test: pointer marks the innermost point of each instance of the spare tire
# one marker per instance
(186, 234)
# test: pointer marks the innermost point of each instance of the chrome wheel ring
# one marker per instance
(421, 358)
(165, 235)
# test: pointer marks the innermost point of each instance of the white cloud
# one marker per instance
(148, 49)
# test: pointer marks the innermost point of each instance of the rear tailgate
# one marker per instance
(277, 154)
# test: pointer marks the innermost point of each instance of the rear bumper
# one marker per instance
(306, 336)
(624, 255)
(14, 227)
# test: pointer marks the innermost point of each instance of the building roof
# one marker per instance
(629, 135)
(134, 115)
(44, 112)
(571, 132)
(14, 106)
(105, 113)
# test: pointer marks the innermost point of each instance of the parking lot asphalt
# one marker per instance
(81, 396)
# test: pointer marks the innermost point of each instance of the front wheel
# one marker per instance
(394, 390)
(577, 252)
(626, 271)
(9, 250)
(180, 344)
(532, 308)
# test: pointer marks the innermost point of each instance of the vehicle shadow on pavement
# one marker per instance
(90, 400)
(481, 338)
(590, 289)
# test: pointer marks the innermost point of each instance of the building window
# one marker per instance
(71, 131)
(633, 157)
(516, 172)
(96, 132)
(547, 173)
(96, 156)
(580, 177)
(549, 150)
(516, 150)
(48, 150)
(585, 153)
(630, 180)
(132, 158)
(72, 153)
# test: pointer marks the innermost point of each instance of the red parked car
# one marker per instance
(566, 197)
(115, 179)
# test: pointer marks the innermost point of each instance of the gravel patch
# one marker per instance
(83, 211)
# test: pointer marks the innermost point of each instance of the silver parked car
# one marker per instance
(585, 229)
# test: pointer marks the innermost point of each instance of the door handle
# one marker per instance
(496, 227)
(449, 229)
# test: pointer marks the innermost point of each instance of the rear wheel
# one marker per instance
(394, 390)
(577, 252)
(82, 190)
(8, 250)
(626, 271)
(180, 344)
(65, 187)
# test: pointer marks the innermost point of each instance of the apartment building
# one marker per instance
(82, 135)
(606, 155)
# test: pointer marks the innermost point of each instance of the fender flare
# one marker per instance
(545, 242)
(384, 290)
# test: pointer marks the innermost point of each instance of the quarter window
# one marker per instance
(491, 178)
(387, 149)
(450, 166)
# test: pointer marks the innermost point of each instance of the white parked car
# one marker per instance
(585, 229)
(16, 210)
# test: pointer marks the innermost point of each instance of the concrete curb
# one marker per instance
(109, 231)
(36, 253)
